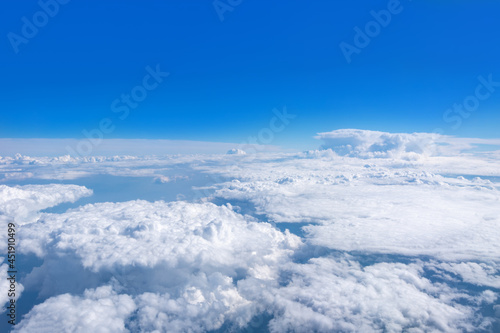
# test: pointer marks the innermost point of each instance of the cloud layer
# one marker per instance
(337, 239)
(375, 144)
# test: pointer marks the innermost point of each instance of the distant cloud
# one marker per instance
(235, 151)
(365, 143)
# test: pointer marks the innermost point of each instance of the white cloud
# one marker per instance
(236, 151)
(374, 205)
(21, 203)
(364, 143)
(481, 274)
(373, 144)
(204, 305)
(448, 222)
(162, 179)
(334, 294)
(180, 261)
(146, 234)
(101, 310)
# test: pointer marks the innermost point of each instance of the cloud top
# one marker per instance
(364, 143)
(21, 203)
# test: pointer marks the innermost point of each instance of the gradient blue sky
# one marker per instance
(226, 76)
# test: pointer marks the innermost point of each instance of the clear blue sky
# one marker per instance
(226, 76)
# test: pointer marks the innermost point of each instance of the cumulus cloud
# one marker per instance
(335, 294)
(375, 144)
(364, 143)
(179, 260)
(143, 233)
(21, 203)
(162, 179)
(206, 304)
(101, 310)
(236, 151)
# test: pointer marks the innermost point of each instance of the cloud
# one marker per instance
(99, 310)
(235, 151)
(206, 304)
(21, 203)
(179, 261)
(374, 205)
(66, 167)
(338, 294)
(404, 243)
(481, 274)
(142, 233)
(375, 144)
(364, 143)
(447, 222)
(162, 179)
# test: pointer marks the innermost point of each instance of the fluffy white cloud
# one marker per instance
(180, 261)
(236, 151)
(373, 205)
(206, 304)
(335, 294)
(370, 144)
(143, 233)
(21, 203)
(364, 143)
(101, 310)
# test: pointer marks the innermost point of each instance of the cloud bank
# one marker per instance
(373, 234)
(370, 144)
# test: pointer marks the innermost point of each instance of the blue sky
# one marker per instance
(226, 76)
